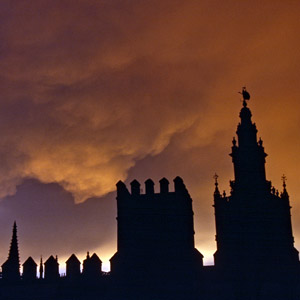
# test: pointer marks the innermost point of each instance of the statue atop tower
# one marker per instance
(246, 96)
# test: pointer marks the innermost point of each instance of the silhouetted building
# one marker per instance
(253, 223)
(29, 269)
(11, 268)
(73, 267)
(51, 268)
(92, 266)
(155, 230)
(156, 257)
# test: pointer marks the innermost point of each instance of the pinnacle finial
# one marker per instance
(217, 192)
(234, 142)
(284, 179)
(216, 176)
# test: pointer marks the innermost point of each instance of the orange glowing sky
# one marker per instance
(92, 92)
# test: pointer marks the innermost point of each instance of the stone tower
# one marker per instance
(155, 230)
(253, 223)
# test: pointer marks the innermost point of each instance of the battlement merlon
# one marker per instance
(179, 187)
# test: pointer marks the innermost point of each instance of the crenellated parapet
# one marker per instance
(135, 190)
(137, 201)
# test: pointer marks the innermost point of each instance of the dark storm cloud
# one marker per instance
(51, 223)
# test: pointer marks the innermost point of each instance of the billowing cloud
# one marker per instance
(97, 91)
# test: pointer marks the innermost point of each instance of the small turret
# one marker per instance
(73, 267)
(92, 267)
(51, 268)
(29, 269)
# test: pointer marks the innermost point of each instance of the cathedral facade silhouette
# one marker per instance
(156, 257)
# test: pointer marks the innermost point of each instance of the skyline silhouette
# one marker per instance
(93, 92)
(156, 256)
(94, 203)
(96, 92)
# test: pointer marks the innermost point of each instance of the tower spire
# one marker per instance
(11, 268)
(14, 249)
(13, 254)
(248, 154)
(41, 268)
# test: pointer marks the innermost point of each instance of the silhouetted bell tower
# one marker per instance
(253, 223)
(248, 155)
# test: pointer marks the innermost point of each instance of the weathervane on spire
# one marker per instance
(246, 96)
(283, 178)
(216, 179)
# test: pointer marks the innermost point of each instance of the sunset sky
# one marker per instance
(96, 91)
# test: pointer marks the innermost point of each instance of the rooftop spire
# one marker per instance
(11, 268)
(41, 268)
(13, 255)
(217, 192)
(248, 154)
